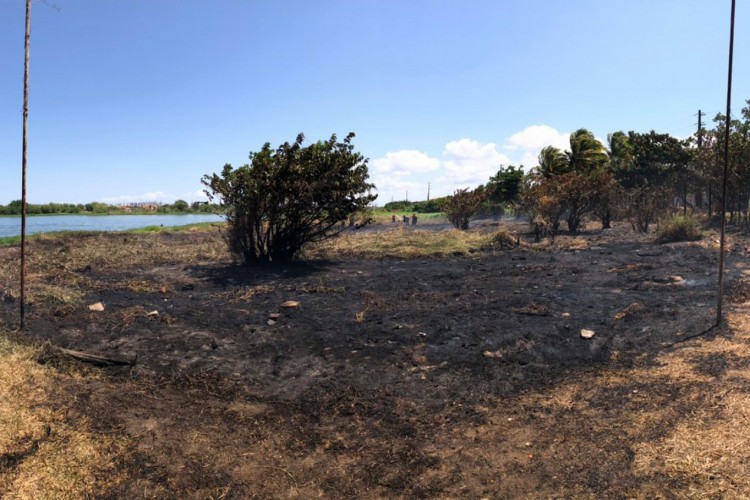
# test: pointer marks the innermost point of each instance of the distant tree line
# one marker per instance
(95, 207)
(420, 207)
(636, 177)
(493, 199)
(293, 195)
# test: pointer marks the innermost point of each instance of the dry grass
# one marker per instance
(709, 450)
(566, 242)
(46, 449)
(403, 242)
(686, 418)
(247, 294)
(631, 310)
(60, 267)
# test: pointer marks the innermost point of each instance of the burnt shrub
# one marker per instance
(460, 208)
(288, 197)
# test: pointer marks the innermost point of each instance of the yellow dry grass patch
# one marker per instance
(711, 454)
(406, 243)
(46, 449)
(109, 252)
(62, 257)
(565, 242)
(685, 415)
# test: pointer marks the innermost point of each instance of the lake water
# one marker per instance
(11, 226)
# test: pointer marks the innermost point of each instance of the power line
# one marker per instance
(681, 120)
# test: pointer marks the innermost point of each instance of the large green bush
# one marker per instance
(290, 196)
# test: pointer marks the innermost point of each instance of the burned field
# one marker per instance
(459, 371)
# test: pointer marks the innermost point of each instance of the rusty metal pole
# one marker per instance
(23, 160)
(726, 170)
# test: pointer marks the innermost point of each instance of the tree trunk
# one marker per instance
(573, 222)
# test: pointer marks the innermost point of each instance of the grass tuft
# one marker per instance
(678, 228)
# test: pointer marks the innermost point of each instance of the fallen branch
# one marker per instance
(690, 337)
(95, 359)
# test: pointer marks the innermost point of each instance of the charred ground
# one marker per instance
(461, 374)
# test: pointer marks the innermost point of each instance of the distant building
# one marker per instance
(150, 206)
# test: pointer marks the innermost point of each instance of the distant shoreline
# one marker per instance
(50, 223)
(93, 214)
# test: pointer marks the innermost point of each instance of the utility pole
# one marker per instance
(428, 191)
(726, 171)
(700, 148)
(27, 41)
(699, 190)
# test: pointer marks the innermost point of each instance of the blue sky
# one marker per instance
(134, 100)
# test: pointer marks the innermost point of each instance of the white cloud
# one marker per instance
(469, 162)
(397, 189)
(405, 162)
(199, 195)
(463, 163)
(536, 137)
(529, 159)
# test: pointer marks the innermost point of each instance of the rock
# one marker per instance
(164, 289)
(152, 313)
(493, 354)
(96, 307)
(565, 315)
(290, 304)
(271, 322)
(587, 334)
(274, 316)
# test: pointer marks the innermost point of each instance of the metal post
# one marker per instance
(726, 170)
(23, 159)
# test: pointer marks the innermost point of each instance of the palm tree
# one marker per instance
(619, 157)
(619, 154)
(585, 161)
(586, 154)
(552, 162)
